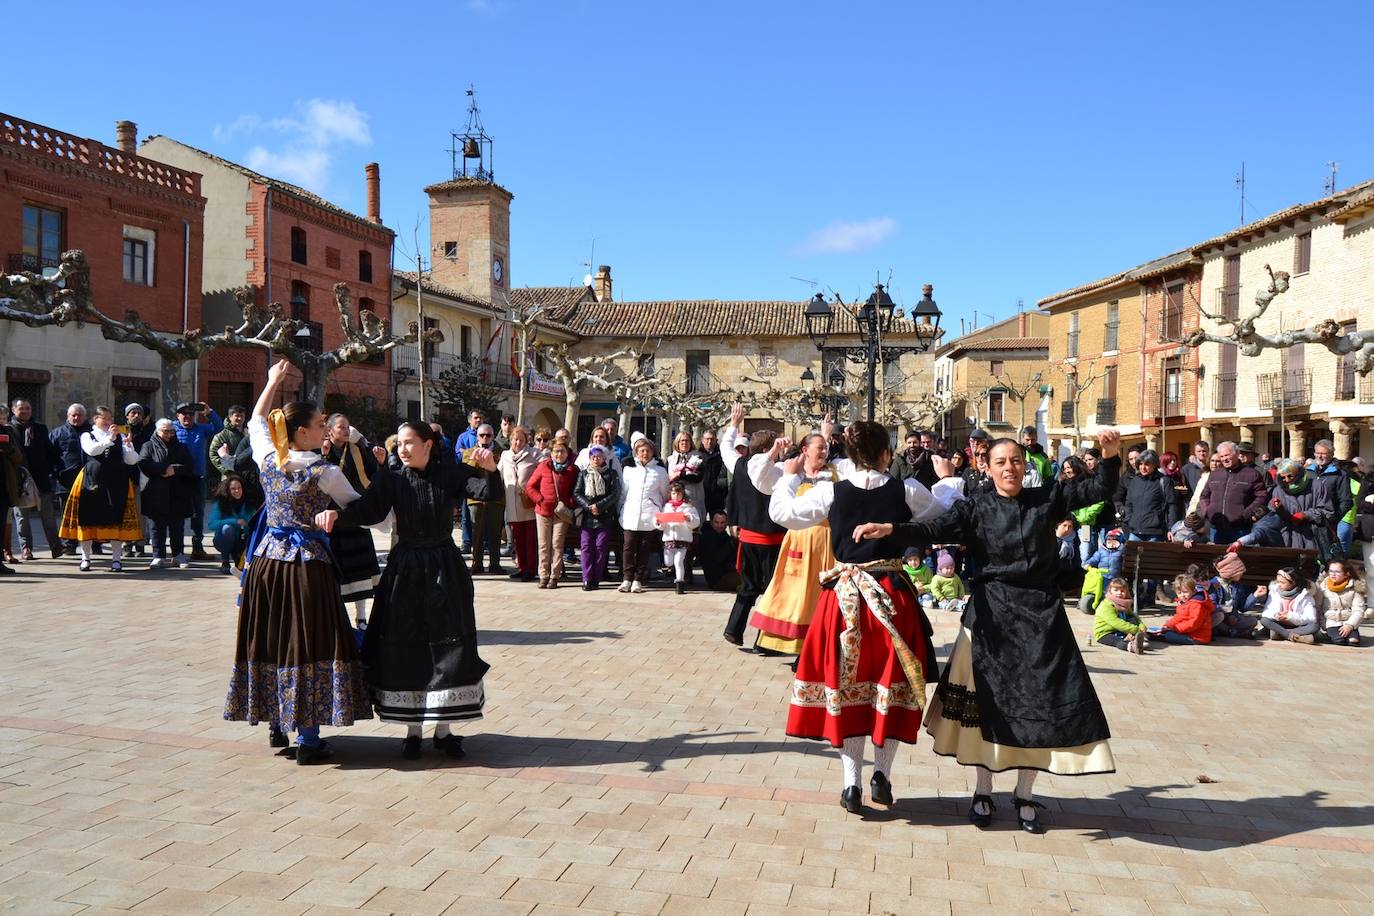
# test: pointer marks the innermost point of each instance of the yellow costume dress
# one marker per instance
(784, 610)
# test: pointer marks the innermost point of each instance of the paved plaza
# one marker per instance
(631, 761)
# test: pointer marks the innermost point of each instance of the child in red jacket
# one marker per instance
(1192, 620)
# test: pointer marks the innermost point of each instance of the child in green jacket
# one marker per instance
(1115, 622)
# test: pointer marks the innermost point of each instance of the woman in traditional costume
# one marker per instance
(867, 654)
(783, 612)
(355, 554)
(1015, 693)
(296, 665)
(101, 505)
(420, 647)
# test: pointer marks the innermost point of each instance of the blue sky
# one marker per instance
(720, 150)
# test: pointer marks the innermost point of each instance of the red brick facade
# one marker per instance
(95, 192)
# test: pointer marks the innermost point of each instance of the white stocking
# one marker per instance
(883, 757)
(852, 755)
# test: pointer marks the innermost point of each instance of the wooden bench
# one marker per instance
(1162, 560)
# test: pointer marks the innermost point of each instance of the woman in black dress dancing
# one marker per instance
(1015, 693)
(420, 647)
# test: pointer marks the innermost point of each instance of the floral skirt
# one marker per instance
(953, 721)
(296, 661)
(851, 681)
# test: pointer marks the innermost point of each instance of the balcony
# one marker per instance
(1106, 411)
(1285, 390)
(492, 373)
(1224, 392)
(1228, 301)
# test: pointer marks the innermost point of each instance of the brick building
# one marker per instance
(291, 246)
(140, 223)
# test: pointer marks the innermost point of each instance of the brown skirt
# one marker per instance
(297, 661)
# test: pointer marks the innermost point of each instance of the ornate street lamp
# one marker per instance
(875, 319)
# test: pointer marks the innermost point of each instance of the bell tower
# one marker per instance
(469, 217)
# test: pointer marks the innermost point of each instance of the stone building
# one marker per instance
(997, 377)
(1133, 324)
(292, 246)
(140, 223)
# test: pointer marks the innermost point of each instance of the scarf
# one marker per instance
(594, 485)
(1288, 592)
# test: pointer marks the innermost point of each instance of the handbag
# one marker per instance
(28, 496)
(561, 511)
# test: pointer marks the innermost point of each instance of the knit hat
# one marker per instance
(944, 561)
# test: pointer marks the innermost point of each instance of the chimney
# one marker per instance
(126, 137)
(601, 285)
(374, 192)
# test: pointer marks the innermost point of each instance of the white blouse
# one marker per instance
(795, 512)
(332, 480)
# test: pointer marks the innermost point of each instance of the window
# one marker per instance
(995, 367)
(136, 262)
(42, 238)
(1302, 253)
(451, 250)
(698, 371)
(298, 247)
(997, 407)
(1073, 336)
(1172, 324)
(331, 258)
(364, 267)
(1111, 339)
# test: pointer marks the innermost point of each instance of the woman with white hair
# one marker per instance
(100, 506)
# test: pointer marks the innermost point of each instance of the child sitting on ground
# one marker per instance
(1192, 620)
(1343, 605)
(914, 565)
(1190, 530)
(1115, 622)
(1291, 612)
(1102, 567)
(946, 590)
(677, 535)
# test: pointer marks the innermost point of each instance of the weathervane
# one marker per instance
(470, 150)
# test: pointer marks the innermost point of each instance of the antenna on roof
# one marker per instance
(1330, 183)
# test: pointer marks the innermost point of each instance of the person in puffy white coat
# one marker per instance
(677, 536)
(644, 490)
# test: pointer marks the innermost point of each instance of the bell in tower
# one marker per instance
(470, 149)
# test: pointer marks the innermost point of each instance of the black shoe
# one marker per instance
(1031, 824)
(852, 799)
(451, 745)
(880, 789)
(981, 821)
(733, 640)
(306, 754)
(681, 589)
(410, 748)
(277, 738)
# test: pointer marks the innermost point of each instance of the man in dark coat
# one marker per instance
(169, 494)
(68, 459)
(40, 457)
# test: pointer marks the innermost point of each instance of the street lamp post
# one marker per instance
(875, 319)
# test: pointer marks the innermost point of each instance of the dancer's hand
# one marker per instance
(870, 531)
(325, 520)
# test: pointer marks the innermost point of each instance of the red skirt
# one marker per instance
(846, 688)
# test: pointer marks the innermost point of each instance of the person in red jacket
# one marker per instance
(1192, 620)
(551, 488)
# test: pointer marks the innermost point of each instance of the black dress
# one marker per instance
(354, 552)
(420, 647)
(1015, 692)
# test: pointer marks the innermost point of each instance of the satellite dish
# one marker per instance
(587, 280)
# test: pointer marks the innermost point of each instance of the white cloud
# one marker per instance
(848, 236)
(303, 151)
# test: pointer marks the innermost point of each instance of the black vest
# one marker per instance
(853, 507)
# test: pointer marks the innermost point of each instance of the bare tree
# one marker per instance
(65, 297)
(1244, 334)
(1020, 392)
(1079, 377)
